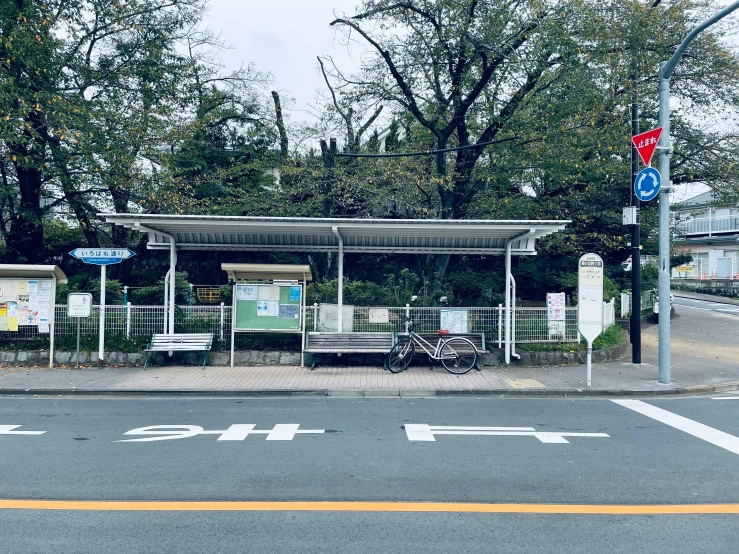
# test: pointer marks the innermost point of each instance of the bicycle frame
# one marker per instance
(426, 346)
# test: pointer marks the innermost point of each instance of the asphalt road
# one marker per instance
(706, 306)
(658, 452)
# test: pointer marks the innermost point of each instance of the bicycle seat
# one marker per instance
(442, 332)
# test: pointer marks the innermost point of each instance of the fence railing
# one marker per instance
(717, 268)
(648, 298)
(704, 225)
(531, 324)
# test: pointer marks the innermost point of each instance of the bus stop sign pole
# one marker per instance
(102, 257)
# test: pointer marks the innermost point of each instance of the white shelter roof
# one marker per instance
(276, 272)
(29, 271)
(303, 234)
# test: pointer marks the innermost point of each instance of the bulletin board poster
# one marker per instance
(268, 307)
(25, 302)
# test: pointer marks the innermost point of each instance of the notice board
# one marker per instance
(26, 302)
(267, 307)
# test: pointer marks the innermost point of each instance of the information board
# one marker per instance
(454, 321)
(25, 302)
(590, 296)
(267, 307)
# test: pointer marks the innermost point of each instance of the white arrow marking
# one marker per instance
(7, 430)
(423, 432)
(237, 432)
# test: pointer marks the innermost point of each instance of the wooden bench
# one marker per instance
(183, 342)
(328, 344)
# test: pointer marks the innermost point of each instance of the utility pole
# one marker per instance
(635, 323)
(665, 72)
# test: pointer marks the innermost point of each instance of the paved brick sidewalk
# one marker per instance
(611, 378)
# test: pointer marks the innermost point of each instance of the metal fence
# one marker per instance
(648, 299)
(531, 324)
(719, 268)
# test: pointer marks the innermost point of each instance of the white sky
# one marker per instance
(283, 37)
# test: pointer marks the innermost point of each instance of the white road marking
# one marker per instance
(423, 432)
(703, 432)
(237, 432)
(7, 430)
(725, 398)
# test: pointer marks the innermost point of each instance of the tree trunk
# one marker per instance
(25, 238)
(281, 128)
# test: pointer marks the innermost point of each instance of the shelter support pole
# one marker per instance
(341, 278)
(166, 300)
(172, 282)
(302, 315)
(52, 321)
(172, 264)
(508, 313)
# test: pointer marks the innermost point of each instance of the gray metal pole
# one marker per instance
(664, 230)
(665, 72)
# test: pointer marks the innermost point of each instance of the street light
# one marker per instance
(665, 72)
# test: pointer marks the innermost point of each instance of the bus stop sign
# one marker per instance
(102, 256)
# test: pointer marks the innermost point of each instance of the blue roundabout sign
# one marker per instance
(647, 184)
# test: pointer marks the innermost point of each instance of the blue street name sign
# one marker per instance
(102, 256)
(647, 184)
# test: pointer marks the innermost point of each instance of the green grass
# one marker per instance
(610, 337)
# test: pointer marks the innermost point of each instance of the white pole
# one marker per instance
(341, 286)
(508, 302)
(52, 320)
(128, 320)
(221, 326)
(101, 340)
(302, 322)
(233, 321)
(340, 321)
(590, 361)
(166, 301)
(172, 279)
(500, 325)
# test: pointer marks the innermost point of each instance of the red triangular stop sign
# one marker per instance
(646, 143)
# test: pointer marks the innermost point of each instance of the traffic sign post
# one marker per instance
(647, 184)
(102, 257)
(79, 305)
(590, 301)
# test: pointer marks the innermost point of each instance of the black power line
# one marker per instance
(424, 152)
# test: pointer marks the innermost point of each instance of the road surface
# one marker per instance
(721, 308)
(329, 467)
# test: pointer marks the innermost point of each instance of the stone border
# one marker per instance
(531, 359)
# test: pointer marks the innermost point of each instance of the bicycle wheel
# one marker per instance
(400, 356)
(458, 355)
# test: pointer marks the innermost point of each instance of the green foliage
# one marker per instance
(649, 277)
(154, 295)
(608, 338)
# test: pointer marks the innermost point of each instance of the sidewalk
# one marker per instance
(705, 297)
(613, 378)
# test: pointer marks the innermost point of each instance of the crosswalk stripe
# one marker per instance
(703, 432)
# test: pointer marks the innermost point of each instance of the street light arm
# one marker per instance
(669, 67)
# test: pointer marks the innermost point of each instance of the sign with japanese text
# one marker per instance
(590, 296)
(102, 256)
(646, 143)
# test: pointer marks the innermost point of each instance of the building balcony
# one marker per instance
(712, 226)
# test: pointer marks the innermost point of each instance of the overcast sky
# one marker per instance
(283, 37)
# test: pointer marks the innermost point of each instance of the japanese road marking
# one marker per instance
(423, 432)
(703, 432)
(238, 432)
(7, 430)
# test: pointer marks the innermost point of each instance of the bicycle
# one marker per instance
(458, 355)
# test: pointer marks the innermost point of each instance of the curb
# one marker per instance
(379, 393)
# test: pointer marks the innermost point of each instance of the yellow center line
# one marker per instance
(449, 507)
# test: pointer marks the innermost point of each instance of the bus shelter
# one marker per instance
(28, 299)
(339, 236)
